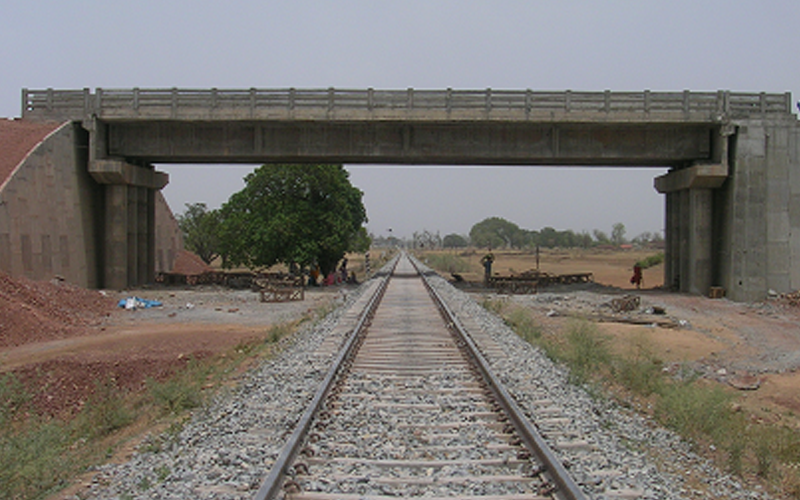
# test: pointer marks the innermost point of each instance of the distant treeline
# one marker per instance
(496, 232)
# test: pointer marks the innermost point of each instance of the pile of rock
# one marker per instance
(33, 311)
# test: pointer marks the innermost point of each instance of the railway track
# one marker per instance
(410, 409)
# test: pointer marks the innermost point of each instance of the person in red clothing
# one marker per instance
(637, 279)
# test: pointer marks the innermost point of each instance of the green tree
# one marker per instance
(200, 228)
(295, 215)
(601, 237)
(496, 232)
(548, 237)
(618, 233)
(566, 239)
(585, 239)
(532, 238)
(454, 240)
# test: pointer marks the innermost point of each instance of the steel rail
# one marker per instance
(272, 484)
(567, 487)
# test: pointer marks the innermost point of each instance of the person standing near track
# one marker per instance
(487, 261)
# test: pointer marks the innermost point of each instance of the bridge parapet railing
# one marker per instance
(358, 104)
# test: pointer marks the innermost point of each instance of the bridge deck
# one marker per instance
(400, 105)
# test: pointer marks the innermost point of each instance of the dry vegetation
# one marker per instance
(753, 434)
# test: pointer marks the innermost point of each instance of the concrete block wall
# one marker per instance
(778, 245)
(169, 239)
(49, 213)
(760, 250)
(746, 277)
(791, 222)
(52, 217)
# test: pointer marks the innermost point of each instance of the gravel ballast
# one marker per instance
(225, 450)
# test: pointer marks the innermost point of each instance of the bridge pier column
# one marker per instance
(129, 221)
(115, 237)
(689, 262)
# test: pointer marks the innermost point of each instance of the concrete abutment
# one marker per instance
(736, 224)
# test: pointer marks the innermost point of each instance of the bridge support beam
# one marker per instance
(129, 221)
(689, 263)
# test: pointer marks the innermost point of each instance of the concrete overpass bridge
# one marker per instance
(732, 193)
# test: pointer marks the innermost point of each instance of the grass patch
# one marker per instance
(695, 410)
(13, 397)
(39, 456)
(639, 370)
(522, 323)
(495, 305)
(703, 413)
(176, 394)
(32, 461)
(585, 351)
(105, 412)
(277, 332)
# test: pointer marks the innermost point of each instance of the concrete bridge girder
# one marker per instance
(401, 143)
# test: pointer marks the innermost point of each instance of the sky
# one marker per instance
(699, 45)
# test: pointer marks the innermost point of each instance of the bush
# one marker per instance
(522, 323)
(639, 370)
(585, 350)
(104, 412)
(182, 391)
(446, 262)
(652, 260)
(496, 306)
(33, 461)
(695, 411)
(277, 332)
(174, 396)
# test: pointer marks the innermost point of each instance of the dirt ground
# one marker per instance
(609, 267)
(753, 349)
(61, 348)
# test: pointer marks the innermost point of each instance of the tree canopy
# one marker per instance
(454, 240)
(200, 231)
(295, 215)
(618, 234)
(496, 232)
